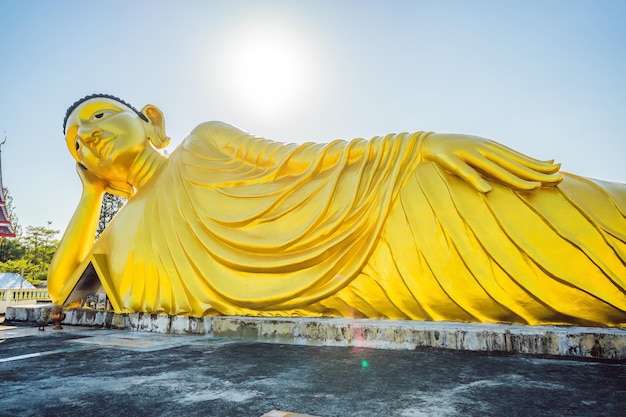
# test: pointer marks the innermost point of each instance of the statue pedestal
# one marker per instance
(595, 343)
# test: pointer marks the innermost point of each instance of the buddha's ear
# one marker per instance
(157, 121)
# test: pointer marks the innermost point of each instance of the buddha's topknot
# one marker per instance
(109, 96)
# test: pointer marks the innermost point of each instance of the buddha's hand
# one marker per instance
(97, 185)
(473, 159)
(91, 182)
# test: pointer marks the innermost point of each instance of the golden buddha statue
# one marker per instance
(420, 226)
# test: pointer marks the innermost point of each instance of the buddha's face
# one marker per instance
(106, 137)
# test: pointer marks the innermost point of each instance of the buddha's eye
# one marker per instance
(99, 115)
(77, 144)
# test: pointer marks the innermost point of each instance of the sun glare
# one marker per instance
(266, 71)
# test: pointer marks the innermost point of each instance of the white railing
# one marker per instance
(20, 297)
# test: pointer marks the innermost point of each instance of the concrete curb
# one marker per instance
(595, 343)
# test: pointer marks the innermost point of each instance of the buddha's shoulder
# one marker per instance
(214, 133)
(210, 135)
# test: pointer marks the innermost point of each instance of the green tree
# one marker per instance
(11, 248)
(40, 243)
(110, 206)
(8, 200)
(22, 267)
(29, 254)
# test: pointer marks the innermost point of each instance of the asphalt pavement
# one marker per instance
(99, 372)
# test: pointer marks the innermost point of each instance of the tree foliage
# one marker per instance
(110, 206)
(8, 199)
(11, 249)
(40, 243)
(29, 254)
(23, 267)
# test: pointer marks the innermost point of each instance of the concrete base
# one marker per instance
(544, 341)
(279, 413)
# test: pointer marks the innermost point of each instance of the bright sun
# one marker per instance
(266, 70)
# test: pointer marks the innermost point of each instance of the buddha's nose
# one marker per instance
(88, 136)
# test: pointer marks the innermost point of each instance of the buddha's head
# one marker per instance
(105, 135)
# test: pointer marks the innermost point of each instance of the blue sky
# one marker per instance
(544, 77)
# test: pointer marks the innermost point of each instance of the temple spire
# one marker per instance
(6, 229)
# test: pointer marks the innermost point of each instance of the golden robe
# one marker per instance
(233, 224)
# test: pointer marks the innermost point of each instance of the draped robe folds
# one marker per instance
(238, 225)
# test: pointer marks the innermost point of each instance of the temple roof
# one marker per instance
(13, 281)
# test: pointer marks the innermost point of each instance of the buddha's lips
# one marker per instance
(102, 148)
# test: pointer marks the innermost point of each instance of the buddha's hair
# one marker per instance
(109, 96)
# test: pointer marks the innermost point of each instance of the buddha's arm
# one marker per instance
(472, 158)
(79, 236)
(233, 141)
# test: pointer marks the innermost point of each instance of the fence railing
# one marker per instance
(23, 295)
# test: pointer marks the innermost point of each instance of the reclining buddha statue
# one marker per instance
(420, 226)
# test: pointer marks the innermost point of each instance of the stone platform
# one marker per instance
(567, 342)
(103, 372)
